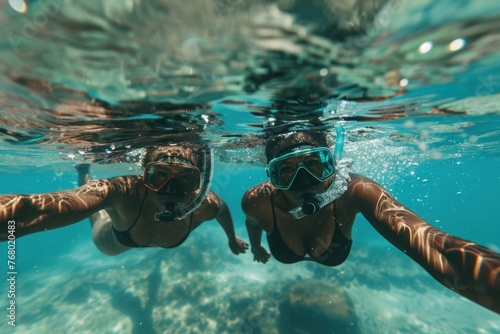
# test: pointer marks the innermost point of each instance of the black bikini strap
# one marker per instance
(139, 214)
(190, 224)
(335, 212)
(274, 214)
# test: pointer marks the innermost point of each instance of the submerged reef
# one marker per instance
(201, 287)
(314, 306)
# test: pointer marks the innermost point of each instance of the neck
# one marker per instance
(289, 200)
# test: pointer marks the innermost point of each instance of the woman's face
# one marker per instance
(172, 175)
(302, 169)
(172, 178)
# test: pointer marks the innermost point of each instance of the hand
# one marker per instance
(238, 246)
(260, 254)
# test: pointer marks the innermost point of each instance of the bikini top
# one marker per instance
(336, 253)
(125, 237)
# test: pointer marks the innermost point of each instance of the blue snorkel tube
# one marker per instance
(339, 142)
(314, 202)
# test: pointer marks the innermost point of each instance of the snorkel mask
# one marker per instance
(306, 166)
(172, 176)
(178, 177)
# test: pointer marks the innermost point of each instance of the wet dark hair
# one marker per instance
(278, 144)
(186, 150)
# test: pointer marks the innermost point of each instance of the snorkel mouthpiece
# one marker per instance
(314, 202)
(311, 204)
(166, 215)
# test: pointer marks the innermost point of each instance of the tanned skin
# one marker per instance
(465, 267)
(113, 202)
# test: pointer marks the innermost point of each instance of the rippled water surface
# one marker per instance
(90, 77)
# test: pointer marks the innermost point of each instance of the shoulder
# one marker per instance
(210, 207)
(360, 185)
(363, 192)
(213, 200)
(257, 205)
(256, 195)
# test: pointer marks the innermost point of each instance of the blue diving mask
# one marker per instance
(316, 164)
(305, 165)
(312, 165)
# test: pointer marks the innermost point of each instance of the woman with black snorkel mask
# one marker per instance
(308, 208)
(158, 209)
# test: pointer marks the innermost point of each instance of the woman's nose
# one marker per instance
(172, 188)
(303, 179)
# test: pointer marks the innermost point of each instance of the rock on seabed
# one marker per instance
(314, 306)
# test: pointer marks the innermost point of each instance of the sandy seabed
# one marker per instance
(202, 288)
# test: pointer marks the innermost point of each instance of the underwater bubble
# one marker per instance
(456, 44)
(425, 47)
(494, 248)
(18, 5)
(473, 139)
(436, 155)
(190, 48)
(409, 124)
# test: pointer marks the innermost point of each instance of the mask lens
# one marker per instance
(318, 162)
(188, 179)
(157, 174)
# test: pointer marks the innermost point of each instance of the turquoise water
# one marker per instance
(90, 81)
(62, 277)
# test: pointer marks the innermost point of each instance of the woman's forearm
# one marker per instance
(226, 221)
(476, 271)
(463, 266)
(35, 213)
(254, 234)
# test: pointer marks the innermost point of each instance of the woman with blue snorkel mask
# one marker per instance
(308, 208)
(158, 209)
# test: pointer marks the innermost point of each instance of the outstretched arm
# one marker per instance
(35, 213)
(462, 266)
